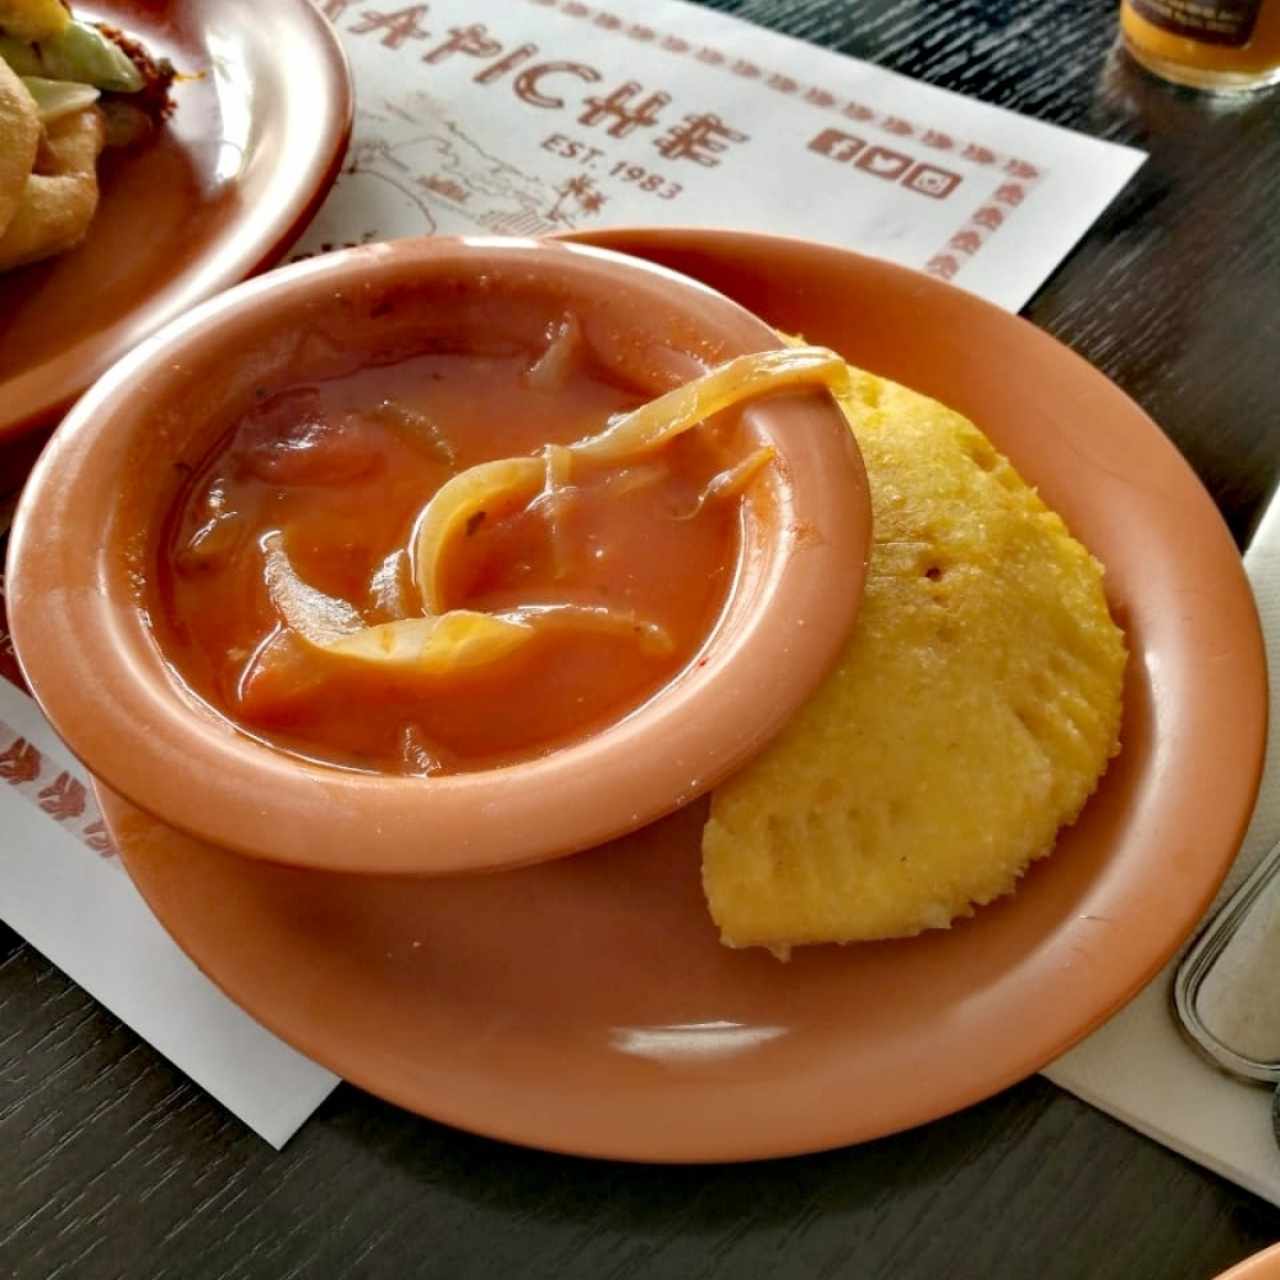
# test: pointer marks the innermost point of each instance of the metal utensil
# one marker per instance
(1198, 964)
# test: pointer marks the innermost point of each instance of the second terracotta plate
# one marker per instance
(586, 1005)
(1262, 1266)
(258, 132)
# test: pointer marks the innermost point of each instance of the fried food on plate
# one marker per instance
(973, 710)
(19, 137)
(66, 89)
(61, 195)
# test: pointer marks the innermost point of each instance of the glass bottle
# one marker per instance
(1221, 45)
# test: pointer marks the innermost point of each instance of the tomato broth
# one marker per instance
(332, 476)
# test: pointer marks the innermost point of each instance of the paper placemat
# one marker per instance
(65, 891)
(1139, 1067)
(522, 117)
(550, 114)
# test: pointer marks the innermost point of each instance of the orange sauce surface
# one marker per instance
(342, 468)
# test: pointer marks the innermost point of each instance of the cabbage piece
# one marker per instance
(57, 98)
(78, 52)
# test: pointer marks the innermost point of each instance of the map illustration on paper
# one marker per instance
(413, 170)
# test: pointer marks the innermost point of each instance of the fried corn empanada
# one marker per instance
(972, 712)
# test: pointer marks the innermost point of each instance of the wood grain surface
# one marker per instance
(113, 1165)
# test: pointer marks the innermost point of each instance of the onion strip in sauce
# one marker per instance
(730, 482)
(444, 641)
(459, 640)
(512, 482)
(318, 618)
(437, 644)
(558, 462)
(552, 368)
(463, 639)
(651, 637)
(651, 425)
(505, 485)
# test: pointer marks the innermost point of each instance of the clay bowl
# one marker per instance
(88, 527)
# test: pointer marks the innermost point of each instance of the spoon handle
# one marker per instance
(1199, 961)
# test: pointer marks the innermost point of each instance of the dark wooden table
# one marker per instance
(113, 1165)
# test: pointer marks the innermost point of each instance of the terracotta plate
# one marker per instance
(1262, 1266)
(586, 1006)
(252, 147)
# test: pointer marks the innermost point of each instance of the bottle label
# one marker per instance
(1223, 22)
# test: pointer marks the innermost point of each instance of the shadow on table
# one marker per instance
(905, 1200)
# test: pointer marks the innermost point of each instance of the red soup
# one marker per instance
(311, 507)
